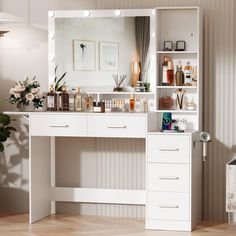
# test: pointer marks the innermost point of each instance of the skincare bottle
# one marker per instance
(89, 103)
(188, 70)
(132, 103)
(64, 100)
(170, 73)
(72, 100)
(179, 75)
(164, 71)
(51, 99)
(78, 100)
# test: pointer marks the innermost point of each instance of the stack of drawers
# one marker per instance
(168, 181)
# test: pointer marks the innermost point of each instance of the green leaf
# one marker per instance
(1, 147)
(5, 119)
(3, 136)
(10, 128)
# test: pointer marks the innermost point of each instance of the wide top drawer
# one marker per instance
(169, 148)
(125, 126)
(58, 125)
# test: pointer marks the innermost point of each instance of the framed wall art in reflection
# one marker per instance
(108, 56)
(84, 54)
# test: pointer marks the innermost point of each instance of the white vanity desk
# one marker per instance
(173, 187)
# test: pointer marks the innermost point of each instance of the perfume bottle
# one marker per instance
(170, 73)
(51, 99)
(88, 103)
(179, 75)
(188, 70)
(64, 100)
(78, 100)
(132, 103)
(164, 71)
(72, 100)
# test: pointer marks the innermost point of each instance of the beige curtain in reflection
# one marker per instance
(142, 34)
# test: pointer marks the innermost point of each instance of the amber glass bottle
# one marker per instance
(64, 100)
(132, 103)
(179, 76)
(170, 73)
(51, 99)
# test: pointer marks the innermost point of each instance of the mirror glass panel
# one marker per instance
(94, 49)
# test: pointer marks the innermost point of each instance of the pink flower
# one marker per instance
(17, 95)
(29, 96)
(34, 90)
(11, 91)
(19, 88)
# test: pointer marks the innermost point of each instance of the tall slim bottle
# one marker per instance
(164, 71)
(51, 99)
(78, 100)
(170, 73)
(64, 100)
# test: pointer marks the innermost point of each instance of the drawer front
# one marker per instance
(168, 177)
(168, 206)
(169, 148)
(117, 126)
(58, 125)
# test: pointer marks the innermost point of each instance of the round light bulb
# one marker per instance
(117, 12)
(51, 36)
(153, 34)
(86, 13)
(154, 12)
(51, 13)
(51, 58)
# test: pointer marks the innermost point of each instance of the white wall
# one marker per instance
(114, 30)
(219, 73)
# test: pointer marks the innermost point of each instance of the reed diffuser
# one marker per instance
(118, 82)
(180, 98)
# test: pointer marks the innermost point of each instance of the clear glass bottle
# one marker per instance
(188, 70)
(51, 99)
(64, 100)
(72, 100)
(78, 100)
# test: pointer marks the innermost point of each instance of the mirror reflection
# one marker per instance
(100, 53)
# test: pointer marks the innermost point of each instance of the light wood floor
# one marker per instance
(17, 225)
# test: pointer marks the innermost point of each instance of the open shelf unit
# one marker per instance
(173, 24)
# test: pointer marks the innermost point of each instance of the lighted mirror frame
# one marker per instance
(53, 15)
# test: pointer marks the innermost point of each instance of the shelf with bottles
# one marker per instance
(177, 72)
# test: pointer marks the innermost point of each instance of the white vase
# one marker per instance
(24, 107)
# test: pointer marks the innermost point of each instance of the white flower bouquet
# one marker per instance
(27, 91)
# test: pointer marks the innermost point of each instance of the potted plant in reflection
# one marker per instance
(58, 81)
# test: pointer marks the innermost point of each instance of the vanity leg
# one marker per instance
(39, 178)
(53, 172)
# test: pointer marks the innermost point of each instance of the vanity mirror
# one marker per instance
(92, 46)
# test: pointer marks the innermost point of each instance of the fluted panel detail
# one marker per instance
(120, 165)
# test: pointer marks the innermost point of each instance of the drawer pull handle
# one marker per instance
(117, 127)
(59, 126)
(169, 178)
(168, 150)
(168, 206)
